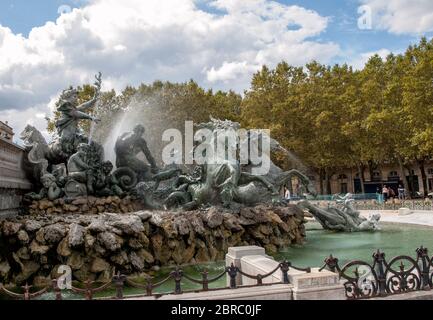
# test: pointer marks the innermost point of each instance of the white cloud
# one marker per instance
(402, 16)
(359, 62)
(230, 71)
(18, 119)
(132, 41)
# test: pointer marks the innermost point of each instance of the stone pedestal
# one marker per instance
(260, 264)
(315, 285)
(235, 254)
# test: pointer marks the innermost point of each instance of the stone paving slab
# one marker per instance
(271, 292)
(424, 218)
(416, 295)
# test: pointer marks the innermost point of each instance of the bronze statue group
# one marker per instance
(72, 166)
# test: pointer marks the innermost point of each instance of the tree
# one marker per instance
(418, 103)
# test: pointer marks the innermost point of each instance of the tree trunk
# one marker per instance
(370, 169)
(321, 176)
(362, 172)
(360, 168)
(290, 185)
(411, 182)
(328, 181)
(403, 176)
(423, 176)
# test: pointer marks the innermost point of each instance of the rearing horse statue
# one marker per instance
(223, 179)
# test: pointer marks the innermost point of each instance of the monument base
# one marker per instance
(32, 247)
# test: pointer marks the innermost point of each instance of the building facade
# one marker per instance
(348, 180)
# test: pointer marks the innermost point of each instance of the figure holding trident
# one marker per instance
(70, 135)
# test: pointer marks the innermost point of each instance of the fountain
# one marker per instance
(132, 214)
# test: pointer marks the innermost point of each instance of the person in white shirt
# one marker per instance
(287, 194)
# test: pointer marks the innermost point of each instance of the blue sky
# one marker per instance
(22, 15)
(343, 29)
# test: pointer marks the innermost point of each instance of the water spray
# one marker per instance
(97, 84)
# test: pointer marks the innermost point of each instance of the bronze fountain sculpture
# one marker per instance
(72, 166)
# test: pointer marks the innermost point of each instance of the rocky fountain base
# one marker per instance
(85, 205)
(94, 245)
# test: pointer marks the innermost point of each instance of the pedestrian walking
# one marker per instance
(401, 192)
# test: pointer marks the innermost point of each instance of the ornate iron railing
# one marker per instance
(361, 279)
(394, 205)
(389, 205)
(381, 278)
(119, 281)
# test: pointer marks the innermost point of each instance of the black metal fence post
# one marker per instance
(119, 282)
(57, 291)
(422, 253)
(26, 291)
(89, 290)
(205, 280)
(285, 266)
(379, 261)
(177, 276)
(232, 272)
(149, 286)
(259, 279)
(331, 263)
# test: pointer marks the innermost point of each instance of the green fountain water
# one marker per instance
(393, 239)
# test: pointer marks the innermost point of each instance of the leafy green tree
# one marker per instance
(417, 96)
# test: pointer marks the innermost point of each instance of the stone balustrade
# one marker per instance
(13, 181)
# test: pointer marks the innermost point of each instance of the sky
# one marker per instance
(45, 46)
